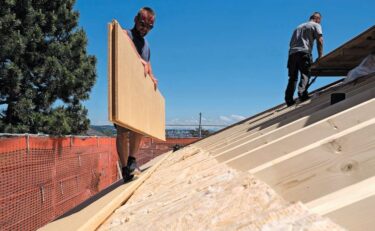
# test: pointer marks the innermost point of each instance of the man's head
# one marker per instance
(144, 20)
(316, 17)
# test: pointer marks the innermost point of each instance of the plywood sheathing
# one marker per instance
(133, 101)
(192, 191)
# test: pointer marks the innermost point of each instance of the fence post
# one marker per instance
(27, 144)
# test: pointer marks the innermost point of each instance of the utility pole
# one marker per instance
(200, 125)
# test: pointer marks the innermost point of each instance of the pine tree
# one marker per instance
(45, 71)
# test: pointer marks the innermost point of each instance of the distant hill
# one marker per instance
(101, 130)
(109, 130)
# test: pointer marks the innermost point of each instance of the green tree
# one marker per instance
(45, 71)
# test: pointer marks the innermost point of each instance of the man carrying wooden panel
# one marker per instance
(127, 141)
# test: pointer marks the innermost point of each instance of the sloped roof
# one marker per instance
(341, 60)
(315, 152)
(310, 166)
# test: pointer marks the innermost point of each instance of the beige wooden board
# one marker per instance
(273, 133)
(332, 165)
(288, 115)
(358, 216)
(226, 134)
(301, 138)
(343, 197)
(133, 101)
(281, 116)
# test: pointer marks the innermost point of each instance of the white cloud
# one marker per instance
(238, 117)
(225, 119)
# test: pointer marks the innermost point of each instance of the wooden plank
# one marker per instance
(356, 217)
(336, 163)
(343, 197)
(288, 115)
(301, 139)
(275, 132)
(110, 70)
(133, 101)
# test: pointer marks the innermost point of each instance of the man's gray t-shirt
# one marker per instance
(303, 37)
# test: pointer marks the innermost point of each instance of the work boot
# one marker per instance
(290, 102)
(126, 174)
(128, 170)
(303, 97)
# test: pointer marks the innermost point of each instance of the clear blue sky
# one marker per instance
(226, 59)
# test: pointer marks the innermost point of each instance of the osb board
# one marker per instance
(133, 101)
(192, 191)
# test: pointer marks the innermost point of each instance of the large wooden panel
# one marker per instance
(346, 57)
(133, 101)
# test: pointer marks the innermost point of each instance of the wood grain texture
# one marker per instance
(333, 165)
(133, 101)
(274, 132)
(357, 216)
(343, 197)
(301, 139)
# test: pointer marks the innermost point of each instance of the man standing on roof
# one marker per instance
(300, 57)
(128, 142)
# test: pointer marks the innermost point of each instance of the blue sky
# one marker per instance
(226, 59)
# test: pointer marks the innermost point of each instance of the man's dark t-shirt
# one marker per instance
(140, 43)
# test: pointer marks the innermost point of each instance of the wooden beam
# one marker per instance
(336, 163)
(343, 197)
(274, 132)
(296, 142)
(358, 216)
(283, 116)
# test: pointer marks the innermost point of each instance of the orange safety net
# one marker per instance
(42, 177)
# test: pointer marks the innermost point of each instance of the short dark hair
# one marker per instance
(148, 9)
(313, 16)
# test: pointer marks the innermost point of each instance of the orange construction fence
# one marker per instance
(42, 177)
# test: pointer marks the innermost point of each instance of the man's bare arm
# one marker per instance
(320, 46)
(148, 70)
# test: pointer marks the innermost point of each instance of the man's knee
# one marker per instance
(122, 132)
